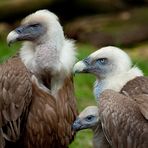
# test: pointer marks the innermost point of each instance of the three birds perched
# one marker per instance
(122, 95)
(38, 105)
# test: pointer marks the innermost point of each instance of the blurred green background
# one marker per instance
(93, 24)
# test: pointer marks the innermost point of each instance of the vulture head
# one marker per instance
(88, 118)
(39, 27)
(111, 66)
(104, 63)
(45, 47)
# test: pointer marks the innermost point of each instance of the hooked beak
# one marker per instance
(25, 32)
(82, 66)
(77, 125)
(12, 37)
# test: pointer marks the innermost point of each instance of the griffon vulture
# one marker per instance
(89, 119)
(38, 105)
(123, 109)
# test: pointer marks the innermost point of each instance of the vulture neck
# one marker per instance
(45, 59)
(99, 139)
(41, 56)
(115, 82)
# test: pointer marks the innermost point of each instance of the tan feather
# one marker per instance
(142, 102)
(13, 104)
(122, 121)
(138, 90)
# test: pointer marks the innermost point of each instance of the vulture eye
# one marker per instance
(34, 25)
(89, 118)
(102, 61)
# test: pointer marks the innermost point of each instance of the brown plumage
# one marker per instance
(38, 105)
(15, 97)
(137, 89)
(49, 120)
(124, 115)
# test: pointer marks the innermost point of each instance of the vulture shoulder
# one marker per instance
(138, 90)
(15, 97)
(122, 121)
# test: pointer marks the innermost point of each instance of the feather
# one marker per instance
(13, 103)
(138, 90)
(123, 123)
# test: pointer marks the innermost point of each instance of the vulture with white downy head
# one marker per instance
(89, 119)
(38, 105)
(122, 95)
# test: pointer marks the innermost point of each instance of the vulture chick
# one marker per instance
(38, 105)
(123, 109)
(89, 119)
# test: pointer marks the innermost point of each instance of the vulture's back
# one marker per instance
(122, 121)
(135, 87)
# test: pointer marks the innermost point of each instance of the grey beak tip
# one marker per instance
(74, 127)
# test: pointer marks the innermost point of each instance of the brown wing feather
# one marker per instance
(67, 112)
(122, 121)
(137, 89)
(15, 97)
(42, 121)
(142, 102)
(136, 86)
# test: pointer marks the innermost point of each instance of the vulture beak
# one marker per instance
(25, 33)
(77, 125)
(12, 37)
(82, 66)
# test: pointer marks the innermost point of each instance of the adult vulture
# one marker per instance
(123, 109)
(38, 105)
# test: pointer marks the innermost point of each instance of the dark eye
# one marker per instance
(89, 118)
(102, 61)
(34, 25)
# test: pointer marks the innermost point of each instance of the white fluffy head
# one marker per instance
(119, 59)
(50, 22)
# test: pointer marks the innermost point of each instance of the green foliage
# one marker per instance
(6, 52)
(143, 64)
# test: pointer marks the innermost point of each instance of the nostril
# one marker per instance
(74, 126)
(86, 61)
(18, 30)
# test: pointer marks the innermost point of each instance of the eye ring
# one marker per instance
(102, 61)
(90, 118)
